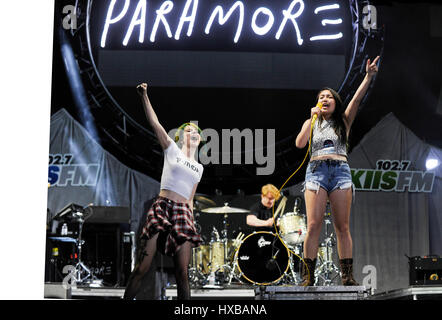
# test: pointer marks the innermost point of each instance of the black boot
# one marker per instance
(347, 272)
(308, 272)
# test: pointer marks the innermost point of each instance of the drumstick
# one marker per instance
(281, 206)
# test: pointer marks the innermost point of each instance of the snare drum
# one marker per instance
(262, 258)
(292, 228)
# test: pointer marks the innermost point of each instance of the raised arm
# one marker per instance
(163, 137)
(352, 108)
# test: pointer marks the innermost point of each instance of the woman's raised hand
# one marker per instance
(142, 89)
(371, 68)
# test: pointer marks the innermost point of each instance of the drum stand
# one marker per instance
(213, 280)
(327, 271)
(293, 277)
(196, 277)
(232, 272)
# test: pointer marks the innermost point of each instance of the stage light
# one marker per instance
(431, 163)
(78, 91)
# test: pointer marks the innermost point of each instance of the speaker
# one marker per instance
(426, 270)
(107, 251)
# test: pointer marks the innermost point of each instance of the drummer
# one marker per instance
(260, 217)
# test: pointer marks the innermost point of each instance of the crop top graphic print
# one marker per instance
(180, 174)
(325, 140)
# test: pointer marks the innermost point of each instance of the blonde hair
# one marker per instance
(179, 132)
(272, 189)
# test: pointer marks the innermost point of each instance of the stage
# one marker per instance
(411, 293)
(283, 292)
(245, 292)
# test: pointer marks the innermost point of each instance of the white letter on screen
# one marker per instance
(262, 30)
(139, 18)
(223, 19)
(331, 21)
(110, 20)
(325, 22)
(165, 8)
(327, 7)
(185, 18)
(288, 15)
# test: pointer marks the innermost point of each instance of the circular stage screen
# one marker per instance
(226, 64)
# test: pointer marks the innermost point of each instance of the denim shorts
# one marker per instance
(328, 174)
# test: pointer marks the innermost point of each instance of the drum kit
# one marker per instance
(260, 258)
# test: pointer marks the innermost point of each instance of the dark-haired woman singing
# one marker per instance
(328, 174)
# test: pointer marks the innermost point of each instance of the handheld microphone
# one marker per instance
(319, 105)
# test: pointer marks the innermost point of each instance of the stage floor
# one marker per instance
(411, 293)
(246, 292)
(283, 292)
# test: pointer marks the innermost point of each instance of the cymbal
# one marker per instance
(224, 210)
(198, 206)
(204, 200)
(200, 202)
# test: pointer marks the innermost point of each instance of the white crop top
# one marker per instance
(179, 173)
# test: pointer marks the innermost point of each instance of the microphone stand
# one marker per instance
(80, 267)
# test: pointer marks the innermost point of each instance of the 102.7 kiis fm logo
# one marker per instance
(392, 175)
(62, 172)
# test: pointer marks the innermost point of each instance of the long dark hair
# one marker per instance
(337, 115)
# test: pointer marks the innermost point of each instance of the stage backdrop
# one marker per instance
(81, 172)
(397, 207)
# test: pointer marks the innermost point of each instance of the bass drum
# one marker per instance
(262, 259)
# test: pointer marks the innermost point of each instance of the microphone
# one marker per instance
(319, 105)
(88, 205)
(271, 263)
(297, 203)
